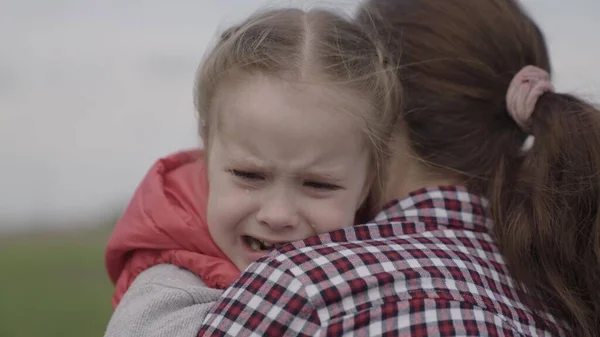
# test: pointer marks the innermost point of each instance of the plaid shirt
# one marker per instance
(426, 266)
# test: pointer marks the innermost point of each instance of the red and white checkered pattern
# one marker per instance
(426, 266)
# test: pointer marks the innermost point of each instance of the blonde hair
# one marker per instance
(305, 46)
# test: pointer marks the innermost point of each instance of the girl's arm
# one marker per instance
(163, 301)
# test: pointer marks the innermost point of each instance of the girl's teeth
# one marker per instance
(257, 245)
(254, 244)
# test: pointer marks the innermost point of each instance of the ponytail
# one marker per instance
(545, 204)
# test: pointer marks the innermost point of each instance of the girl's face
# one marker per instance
(284, 163)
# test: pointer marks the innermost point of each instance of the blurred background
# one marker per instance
(92, 93)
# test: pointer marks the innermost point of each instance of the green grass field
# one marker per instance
(54, 285)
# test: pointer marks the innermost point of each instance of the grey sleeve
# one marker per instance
(163, 301)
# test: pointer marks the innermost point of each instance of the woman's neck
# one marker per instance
(407, 174)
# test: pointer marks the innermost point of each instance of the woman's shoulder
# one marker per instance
(385, 247)
(372, 271)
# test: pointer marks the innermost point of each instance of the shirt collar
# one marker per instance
(425, 210)
(438, 207)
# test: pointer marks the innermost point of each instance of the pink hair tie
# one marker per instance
(523, 92)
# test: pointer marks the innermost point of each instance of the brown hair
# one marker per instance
(457, 58)
(310, 47)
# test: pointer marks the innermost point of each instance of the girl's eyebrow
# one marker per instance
(247, 161)
(329, 175)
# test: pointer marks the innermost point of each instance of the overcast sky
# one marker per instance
(92, 92)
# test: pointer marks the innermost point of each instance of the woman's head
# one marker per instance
(295, 109)
(456, 61)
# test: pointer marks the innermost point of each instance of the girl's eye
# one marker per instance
(317, 185)
(247, 175)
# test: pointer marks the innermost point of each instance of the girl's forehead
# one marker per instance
(266, 115)
(256, 96)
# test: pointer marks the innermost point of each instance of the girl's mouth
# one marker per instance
(257, 245)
